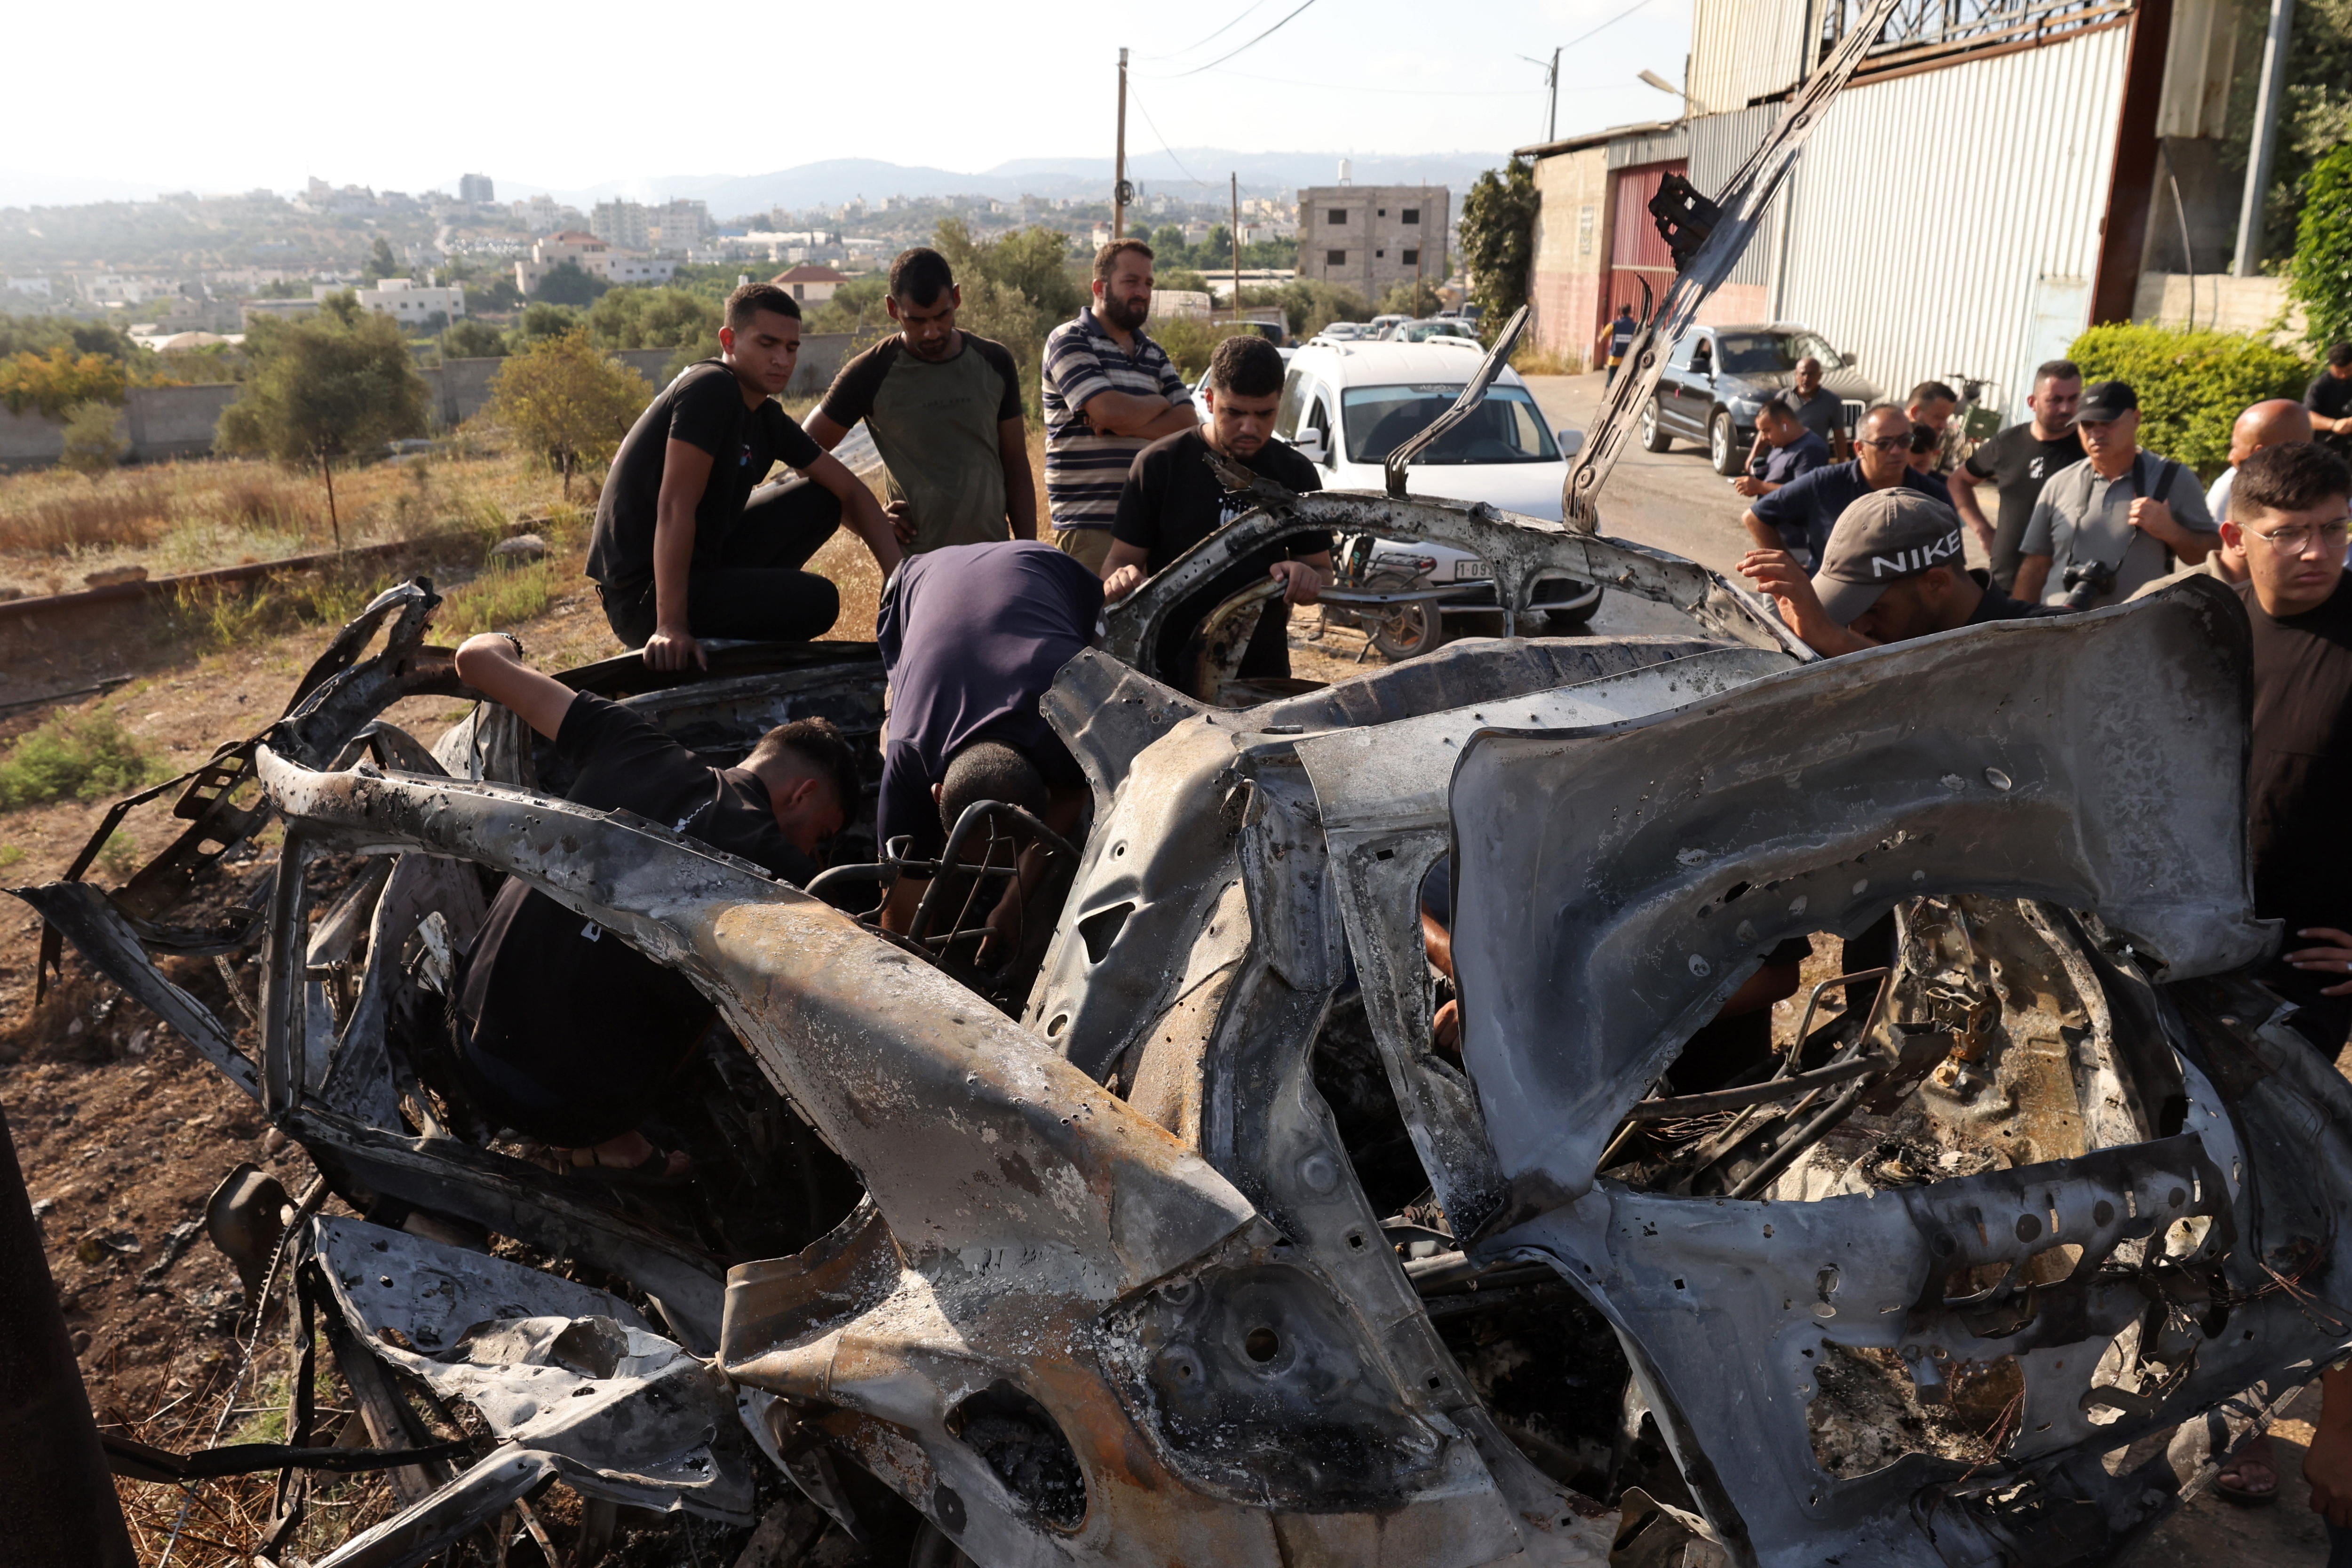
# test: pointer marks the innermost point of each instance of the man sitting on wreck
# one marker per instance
(566, 1034)
(971, 636)
(690, 541)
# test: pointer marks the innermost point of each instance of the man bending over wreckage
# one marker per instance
(689, 542)
(566, 1033)
(971, 636)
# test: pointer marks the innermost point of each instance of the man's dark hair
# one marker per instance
(821, 746)
(2293, 477)
(2340, 355)
(989, 770)
(1107, 258)
(751, 299)
(2056, 370)
(1928, 391)
(1778, 405)
(920, 276)
(1246, 365)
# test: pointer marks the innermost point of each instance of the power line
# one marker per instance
(1605, 26)
(1254, 43)
(1228, 27)
(1357, 87)
(1137, 99)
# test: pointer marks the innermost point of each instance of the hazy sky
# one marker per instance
(406, 98)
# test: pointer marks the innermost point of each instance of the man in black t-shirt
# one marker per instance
(567, 1031)
(944, 406)
(1172, 500)
(1800, 515)
(689, 542)
(2329, 398)
(2018, 462)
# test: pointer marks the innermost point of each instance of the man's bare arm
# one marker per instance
(1136, 413)
(1123, 570)
(1020, 484)
(2032, 577)
(823, 431)
(1963, 485)
(493, 666)
(1766, 536)
(860, 513)
(686, 474)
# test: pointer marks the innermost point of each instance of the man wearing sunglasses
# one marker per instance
(1800, 516)
(2119, 520)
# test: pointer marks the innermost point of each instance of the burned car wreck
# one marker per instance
(1177, 1235)
(1174, 1231)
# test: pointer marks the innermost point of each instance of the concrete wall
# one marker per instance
(163, 422)
(2221, 304)
(1572, 251)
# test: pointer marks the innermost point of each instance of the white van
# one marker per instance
(1347, 405)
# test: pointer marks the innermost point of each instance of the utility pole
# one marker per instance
(1118, 189)
(1551, 119)
(1235, 179)
(2248, 256)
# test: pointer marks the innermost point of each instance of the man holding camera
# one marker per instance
(2116, 521)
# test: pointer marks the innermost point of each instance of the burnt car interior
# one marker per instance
(1133, 1208)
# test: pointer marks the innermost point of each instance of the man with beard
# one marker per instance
(944, 407)
(1109, 392)
(1172, 500)
(2018, 462)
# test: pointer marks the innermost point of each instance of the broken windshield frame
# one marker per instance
(1507, 428)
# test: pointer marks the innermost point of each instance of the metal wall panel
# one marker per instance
(1928, 210)
(1742, 50)
(1720, 143)
(1665, 146)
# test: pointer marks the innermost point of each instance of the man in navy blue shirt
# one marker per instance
(1790, 451)
(972, 636)
(1800, 515)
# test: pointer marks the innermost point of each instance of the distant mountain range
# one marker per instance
(1193, 173)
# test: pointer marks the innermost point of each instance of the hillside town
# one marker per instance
(1031, 844)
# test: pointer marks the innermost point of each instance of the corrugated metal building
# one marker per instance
(1979, 193)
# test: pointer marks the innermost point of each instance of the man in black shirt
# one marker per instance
(688, 542)
(568, 1032)
(2329, 398)
(1172, 500)
(1892, 571)
(2018, 462)
(1800, 515)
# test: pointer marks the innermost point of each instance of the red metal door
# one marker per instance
(1637, 254)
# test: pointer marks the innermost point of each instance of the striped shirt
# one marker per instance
(1084, 471)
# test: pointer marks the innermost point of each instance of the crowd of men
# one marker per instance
(1859, 536)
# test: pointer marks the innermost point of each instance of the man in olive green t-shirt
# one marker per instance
(945, 410)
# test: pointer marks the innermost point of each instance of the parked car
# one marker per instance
(1423, 331)
(1343, 332)
(1347, 405)
(1716, 378)
(1384, 327)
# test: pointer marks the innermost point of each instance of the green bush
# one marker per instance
(76, 756)
(2193, 385)
(2323, 249)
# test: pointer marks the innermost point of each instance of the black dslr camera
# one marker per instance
(2086, 582)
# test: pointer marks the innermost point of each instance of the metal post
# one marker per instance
(59, 1498)
(2248, 256)
(1118, 173)
(1234, 179)
(1551, 117)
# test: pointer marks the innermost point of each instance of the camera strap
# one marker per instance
(2165, 469)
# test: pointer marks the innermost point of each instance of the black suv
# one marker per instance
(1716, 377)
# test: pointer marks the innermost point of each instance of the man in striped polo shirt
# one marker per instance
(1109, 392)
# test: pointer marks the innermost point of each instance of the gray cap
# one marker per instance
(1881, 539)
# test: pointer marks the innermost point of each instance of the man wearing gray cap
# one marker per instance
(1894, 569)
(2119, 520)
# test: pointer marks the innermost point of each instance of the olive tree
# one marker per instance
(567, 398)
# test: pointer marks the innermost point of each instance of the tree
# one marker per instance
(1308, 306)
(653, 319)
(498, 294)
(1498, 231)
(473, 340)
(2323, 251)
(1168, 247)
(55, 381)
(567, 398)
(381, 262)
(566, 284)
(336, 383)
(1412, 299)
(93, 446)
(541, 320)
